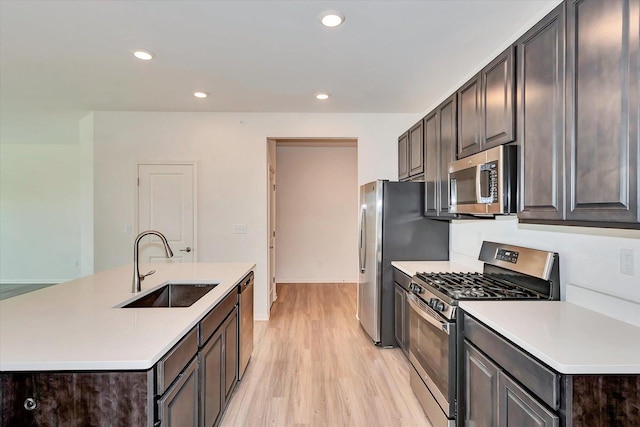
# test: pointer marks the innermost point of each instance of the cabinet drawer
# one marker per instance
(401, 279)
(172, 364)
(214, 319)
(542, 381)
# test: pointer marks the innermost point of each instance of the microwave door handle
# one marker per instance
(443, 326)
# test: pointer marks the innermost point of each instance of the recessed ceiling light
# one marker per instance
(331, 18)
(143, 54)
(200, 94)
(322, 96)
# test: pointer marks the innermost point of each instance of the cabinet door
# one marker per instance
(431, 164)
(519, 409)
(403, 157)
(178, 407)
(497, 100)
(416, 147)
(211, 376)
(469, 130)
(230, 327)
(602, 110)
(541, 70)
(480, 388)
(447, 135)
(399, 316)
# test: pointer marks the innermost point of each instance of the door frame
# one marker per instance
(135, 222)
(271, 253)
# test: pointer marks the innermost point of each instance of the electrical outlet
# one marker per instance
(239, 228)
(127, 229)
(626, 262)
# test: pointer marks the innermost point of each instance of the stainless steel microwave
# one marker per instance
(485, 183)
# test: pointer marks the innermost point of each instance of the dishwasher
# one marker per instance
(246, 323)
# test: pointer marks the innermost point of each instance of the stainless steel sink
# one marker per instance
(172, 295)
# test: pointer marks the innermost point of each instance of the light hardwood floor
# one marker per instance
(313, 365)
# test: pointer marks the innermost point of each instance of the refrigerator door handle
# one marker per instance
(363, 239)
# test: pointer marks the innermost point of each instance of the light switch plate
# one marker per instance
(239, 228)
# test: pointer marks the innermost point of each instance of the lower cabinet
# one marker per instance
(218, 370)
(502, 385)
(401, 303)
(494, 399)
(179, 405)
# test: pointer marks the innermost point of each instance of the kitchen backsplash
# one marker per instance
(590, 265)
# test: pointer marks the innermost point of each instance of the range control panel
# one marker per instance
(506, 255)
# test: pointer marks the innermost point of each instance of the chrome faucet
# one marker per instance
(137, 277)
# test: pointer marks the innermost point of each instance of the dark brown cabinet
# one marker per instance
(411, 154)
(416, 149)
(497, 98)
(541, 70)
(440, 149)
(403, 157)
(401, 318)
(486, 117)
(218, 370)
(469, 118)
(602, 111)
(179, 405)
(481, 380)
(578, 122)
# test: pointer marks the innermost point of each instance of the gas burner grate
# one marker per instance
(476, 286)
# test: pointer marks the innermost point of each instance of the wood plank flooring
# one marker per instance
(313, 365)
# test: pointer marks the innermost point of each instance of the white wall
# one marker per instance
(589, 259)
(40, 213)
(316, 214)
(231, 151)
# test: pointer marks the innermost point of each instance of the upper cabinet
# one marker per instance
(411, 154)
(541, 70)
(416, 147)
(602, 110)
(440, 132)
(403, 157)
(469, 129)
(486, 115)
(579, 134)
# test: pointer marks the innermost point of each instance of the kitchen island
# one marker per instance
(76, 336)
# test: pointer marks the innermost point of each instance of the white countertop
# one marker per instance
(74, 325)
(412, 267)
(567, 337)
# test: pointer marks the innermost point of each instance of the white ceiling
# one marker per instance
(61, 59)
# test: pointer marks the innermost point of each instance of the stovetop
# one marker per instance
(466, 286)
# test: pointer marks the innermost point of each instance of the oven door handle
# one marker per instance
(444, 326)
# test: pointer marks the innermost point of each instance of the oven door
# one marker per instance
(432, 352)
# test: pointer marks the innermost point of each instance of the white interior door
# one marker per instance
(272, 235)
(166, 203)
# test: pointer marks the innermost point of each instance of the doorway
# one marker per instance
(167, 203)
(313, 219)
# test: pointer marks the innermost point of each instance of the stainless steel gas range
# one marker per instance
(510, 273)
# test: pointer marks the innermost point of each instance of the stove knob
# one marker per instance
(436, 304)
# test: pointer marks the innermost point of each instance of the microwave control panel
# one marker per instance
(491, 170)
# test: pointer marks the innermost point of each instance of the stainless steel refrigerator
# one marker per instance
(392, 228)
